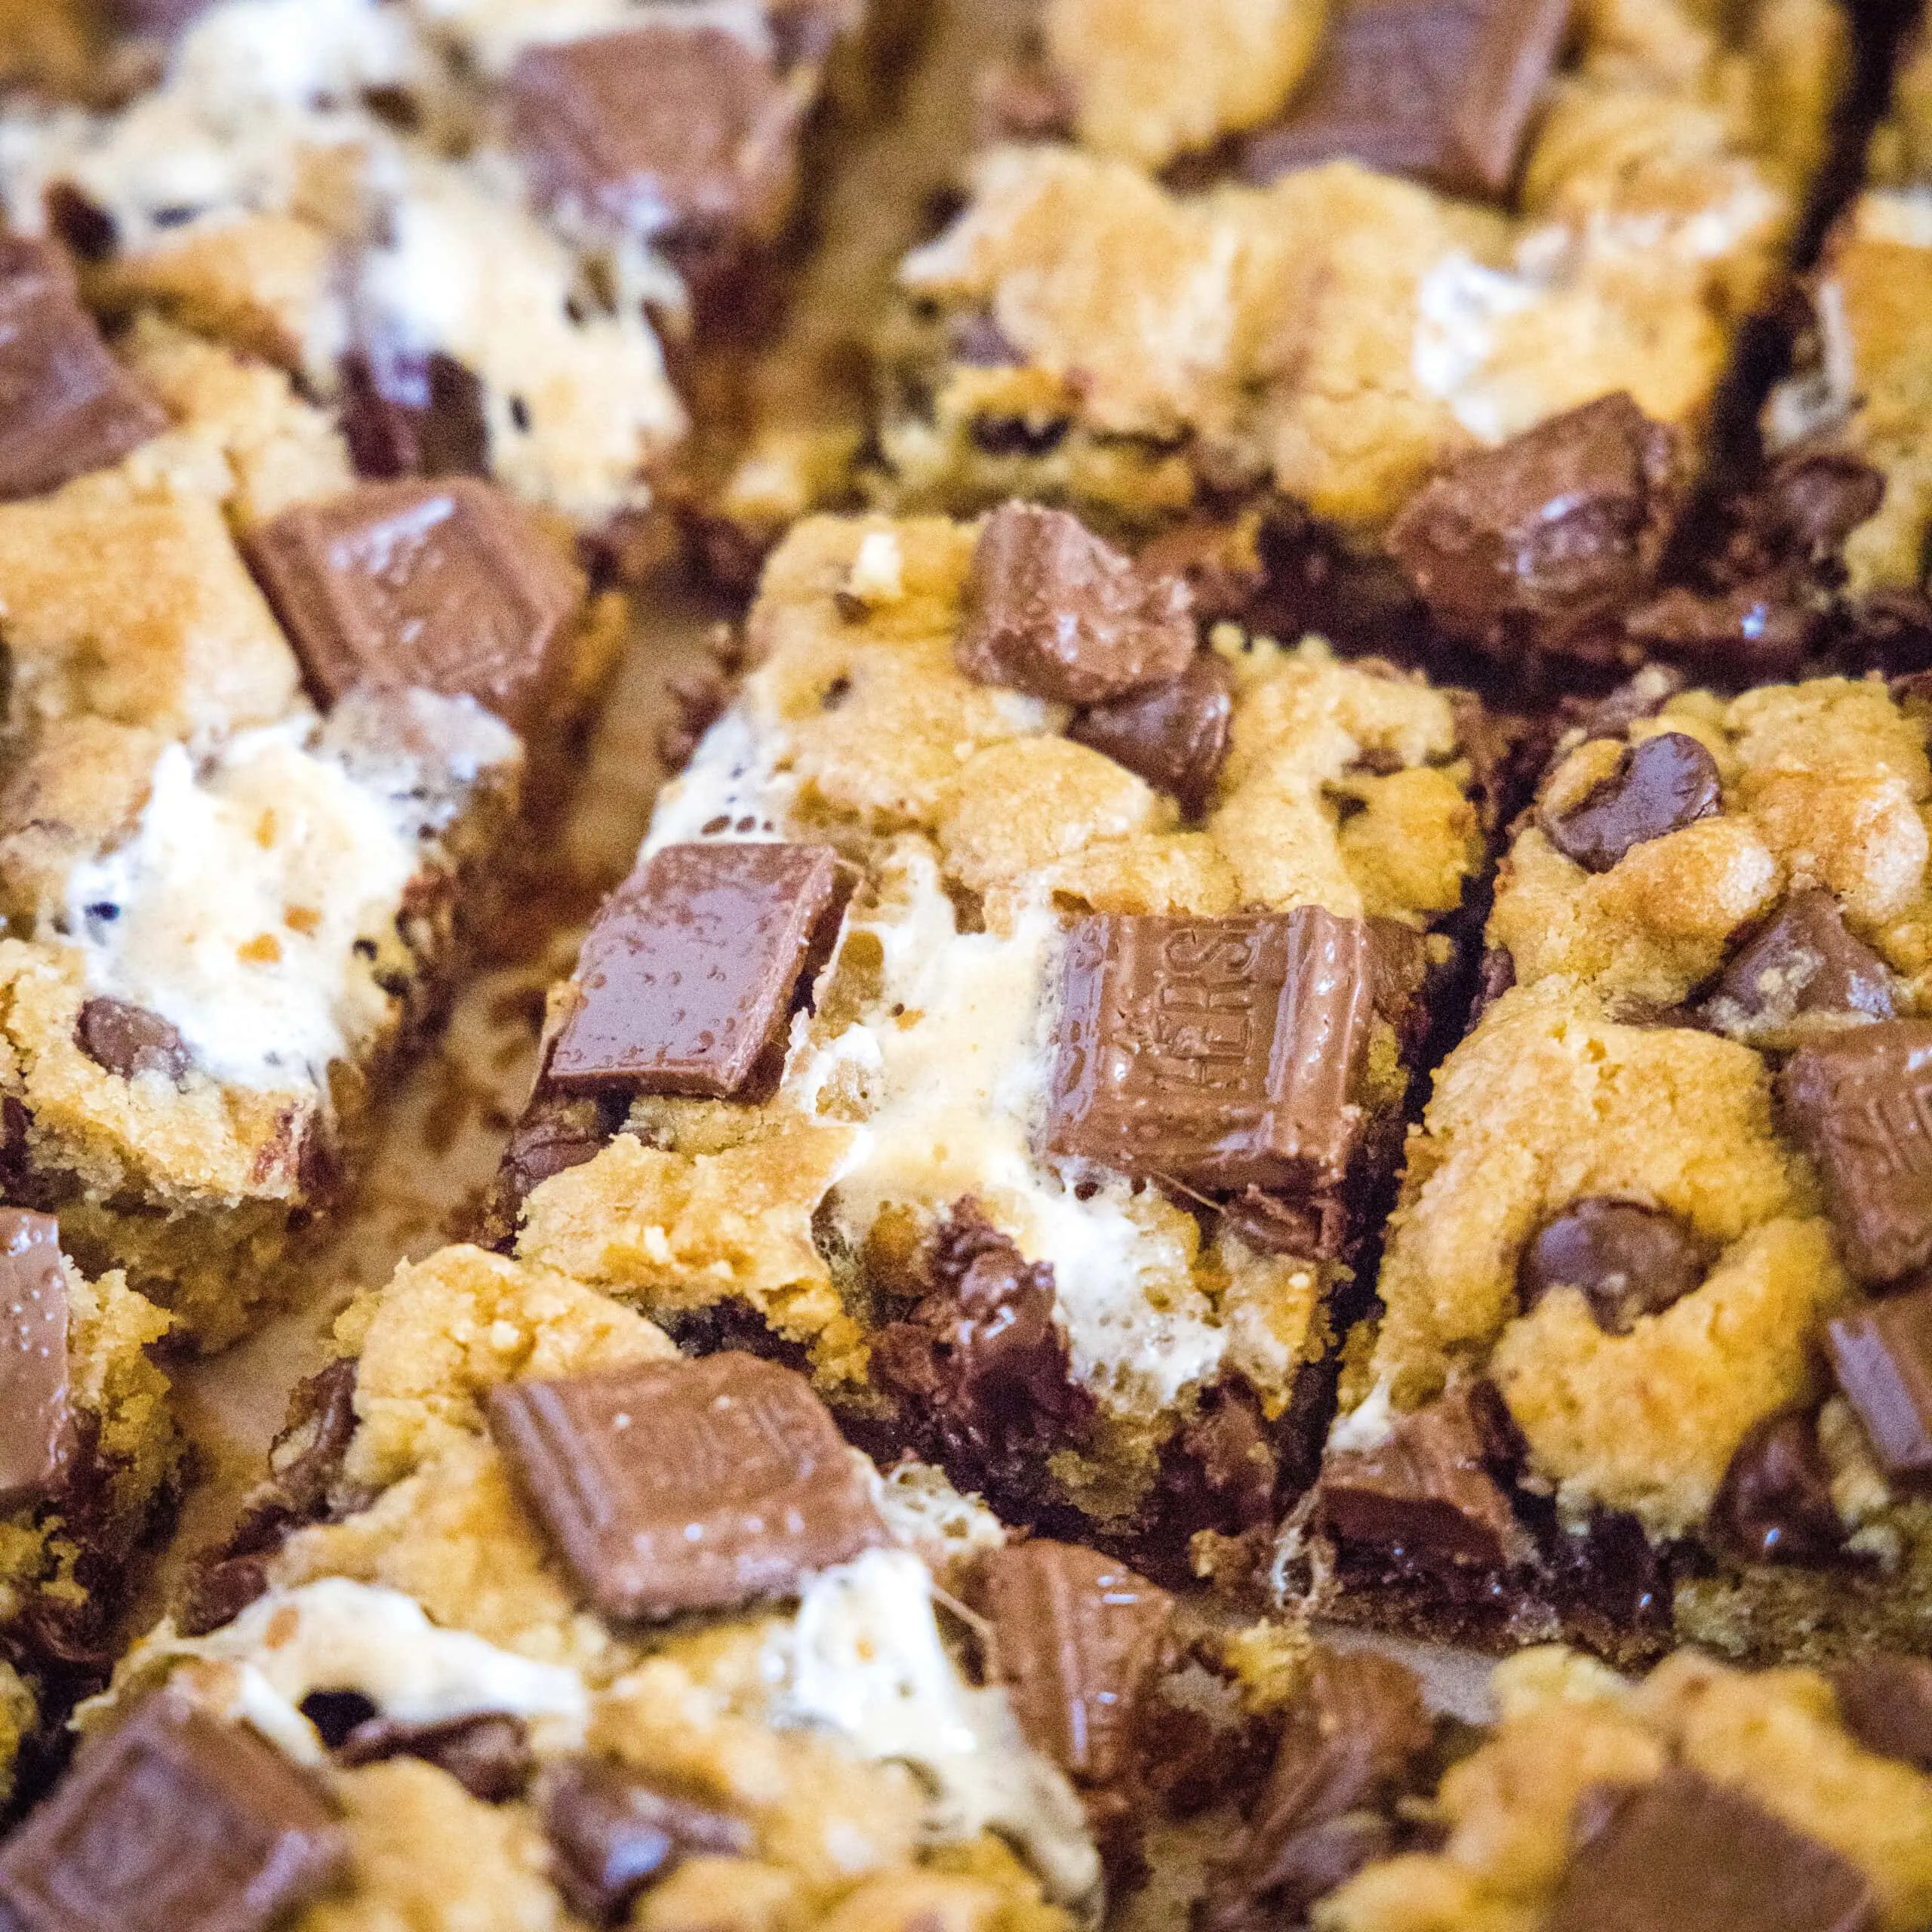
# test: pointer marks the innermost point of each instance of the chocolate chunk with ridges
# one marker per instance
(1052, 611)
(1527, 546)
(1774, 1504)
(1076, 1638)
(450, 585)
(1174, 735)
(488, 1752)
(1885, 1702)
(1223, 1053)
(36, 1425)
(177, 1821)
(1861, 1104)
(1803, 962)
(688, 978)
(1659, 787)
(611, 1835)
(1426, 1494)
(685, 1485)
(684, 132)
(1443, 89)
(67, 406)
(411, 415)
(1625, 1260)
(1882, 1357)
(1685, 1851)
(1347, 1748)
(130, 1040)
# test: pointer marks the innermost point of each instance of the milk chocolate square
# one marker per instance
(686, 981)
(1223, 1053)
(175, 1823)
(35, 1422)
(677, 1486)
(450, 586)
(1882, 1357)
(67, 406)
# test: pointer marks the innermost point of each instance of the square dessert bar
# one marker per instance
(1446, 350)
(1012, 1018)
(1653, 1352)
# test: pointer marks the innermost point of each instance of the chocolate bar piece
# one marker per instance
(1882, 1357)
(35, 1424)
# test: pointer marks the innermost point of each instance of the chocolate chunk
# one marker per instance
(1861, 1104)
(1774, 1504)
(1444, 89)
(487, 1753)
(1885, 1702)
(1052, 610)
(1810, 504)
(175, 1823)
(449, 585)
(1314, 1230)
(1347, 1747)
(1659, 787)
(1685, 1851)
(1882, 1357)
(611, 1835)
(65, 405)
(130, 1040)
(1529, 546)
(1803, 963)
(1626, 1259)
(1221, 563)
(409, 415)
(680, 132)
(36, 1425)
(685, 1485)
(1076, 1638)
(1426, 1494)
(1762, 630)
(1223, 1053)
(689, 977)
(1175, 735)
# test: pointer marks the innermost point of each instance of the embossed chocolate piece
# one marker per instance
(175, 1823)
(1774, 1504)
(1444, 89)
(449, 585)
(1804, 963)
(1685, 1851)
(1882, 1357)
(1173, 735)
(1885, 1702)
(130, 1040)
(35, 1424)
(1424, 1495)
(1225, 1052)
(688, 977)
(1076, 1637)
(683, 132)
(67, 406)
(1659, 787)
(487, 1753)
(1861, 1104)
(1625, 1260)
(1527, 545)
(1052, 610)
(685, 1485)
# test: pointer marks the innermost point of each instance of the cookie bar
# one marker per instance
(88, 1458)
(1012, 1017)
(1446, 357)
(1651, 1350)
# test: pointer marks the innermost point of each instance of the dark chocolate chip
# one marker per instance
(409, 415)
(1882, 1357)
(1443, 89)
(487, 1753)
(1626, 1259)
(129, 1040)
(1885, 1702)
(1173, 735)
(1660, 787)
(1535, 543)
(1052, 611)
(36, 1423)
(979, 342)
(451, 586)
(689, 977)
(1774, 1504)
(1223, 1053)
(1803, 963)
(1861, 1104)
(1685, 1851)
(685, 1485)
(176, 1822)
